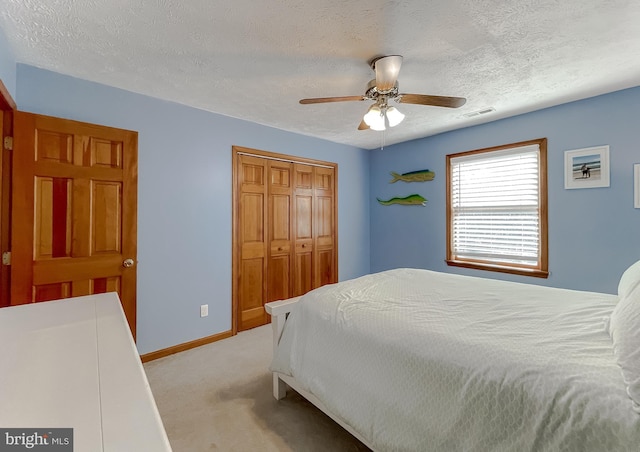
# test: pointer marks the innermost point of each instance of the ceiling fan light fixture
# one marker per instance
(384, 88)
(394, 116)
(374, 118)
(378, 125)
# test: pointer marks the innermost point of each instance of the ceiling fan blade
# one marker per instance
(363, 125)
(387, 69)
(323, 100)
(437, 101)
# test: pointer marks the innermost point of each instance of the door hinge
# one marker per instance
(8, 143)
(6, 258)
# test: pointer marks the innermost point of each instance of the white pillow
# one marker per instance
(624, 328)
(629, 280)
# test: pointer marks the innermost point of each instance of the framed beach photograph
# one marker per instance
(586, 168)
(636, 185)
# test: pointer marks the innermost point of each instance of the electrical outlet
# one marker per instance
(204, 310)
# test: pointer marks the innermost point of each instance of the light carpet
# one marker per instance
(219, 397)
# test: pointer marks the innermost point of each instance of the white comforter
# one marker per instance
(416, 360)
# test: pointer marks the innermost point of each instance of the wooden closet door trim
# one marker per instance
(283, 157)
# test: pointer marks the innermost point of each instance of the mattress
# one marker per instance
(415, 360)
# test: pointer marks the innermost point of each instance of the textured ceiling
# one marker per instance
(254, 60)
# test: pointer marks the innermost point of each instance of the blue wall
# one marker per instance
(184, 213)
(185, 194)
(7, 65)
(594, 234)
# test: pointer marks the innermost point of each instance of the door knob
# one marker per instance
(127, 263)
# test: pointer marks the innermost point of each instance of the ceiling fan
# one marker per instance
(384, 88)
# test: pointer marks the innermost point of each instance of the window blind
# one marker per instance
(495, 207)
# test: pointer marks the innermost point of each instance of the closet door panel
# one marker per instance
(279, 282)
(324, 227)
(303, 230)
(303, 276)
(279, 230)
(325, 221)
(251, 293)
(325, 267)
(251, 226)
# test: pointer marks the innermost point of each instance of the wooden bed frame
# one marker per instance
(279, 311)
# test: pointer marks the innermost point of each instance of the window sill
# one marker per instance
(499, 268)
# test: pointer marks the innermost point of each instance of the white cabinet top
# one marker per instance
(73, 364)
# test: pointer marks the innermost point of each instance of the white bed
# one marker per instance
(415, 360)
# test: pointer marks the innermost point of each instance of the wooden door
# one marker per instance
(284, 230)
(251, 228)
(303, 229)
(7, 108)
(279, 230)
(325, 267)
(74, 214)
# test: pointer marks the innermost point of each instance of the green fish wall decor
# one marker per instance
(413, 176)
(411, 200)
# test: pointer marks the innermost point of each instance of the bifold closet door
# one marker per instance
(324, 224)
(285, 240)
(303, 229)
(279, 230)
(252, 241)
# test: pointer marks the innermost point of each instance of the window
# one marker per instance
(497, 209)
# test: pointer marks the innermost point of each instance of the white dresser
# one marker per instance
(73, 364)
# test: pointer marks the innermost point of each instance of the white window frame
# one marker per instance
(526, 263)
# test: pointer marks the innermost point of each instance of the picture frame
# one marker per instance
(586, 168)
(636, 185)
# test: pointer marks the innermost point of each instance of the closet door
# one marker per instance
(303, 229)
(324, 227)
(251, 230)
(279, 230)
(284, 231)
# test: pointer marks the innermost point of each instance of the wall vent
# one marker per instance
(484, 111)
